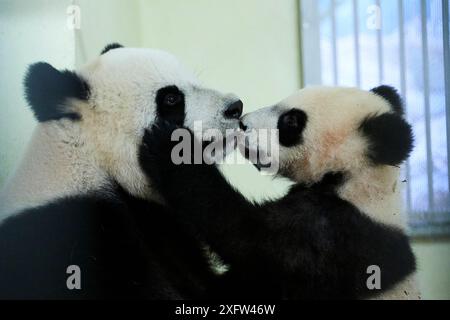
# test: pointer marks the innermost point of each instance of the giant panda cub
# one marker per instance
(79, 219)
(361, 134)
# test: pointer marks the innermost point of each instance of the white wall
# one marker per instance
(30, 31)
(247, 47)
(433, 265)
(104, 22)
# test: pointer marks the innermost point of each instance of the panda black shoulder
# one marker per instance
(91, 232)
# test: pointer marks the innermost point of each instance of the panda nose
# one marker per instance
(242, 126)
(234, 110)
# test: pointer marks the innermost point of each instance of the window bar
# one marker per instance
(356, 44)
(401, 28)
(446, 33)
(310, 33)
(334, 41)
(380, 45)
(426, 91)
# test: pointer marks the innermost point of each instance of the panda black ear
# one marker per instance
(390, 138)
(47, 89)
(392, 96)
(111, 46)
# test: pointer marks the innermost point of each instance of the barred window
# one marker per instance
(404, 43)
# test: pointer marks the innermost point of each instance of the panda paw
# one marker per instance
(155, 150)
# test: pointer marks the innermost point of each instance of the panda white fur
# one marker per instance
(82, 162)
(361, 134)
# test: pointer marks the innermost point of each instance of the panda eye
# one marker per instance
(172, 99)
(291, 126)
(290, 121)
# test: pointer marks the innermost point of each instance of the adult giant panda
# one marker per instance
(358, 133)
(79, 219)
(335, 227)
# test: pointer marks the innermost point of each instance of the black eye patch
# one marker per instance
(291, 125)
(170, 105)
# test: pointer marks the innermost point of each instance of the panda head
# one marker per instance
(323, 130)
(108, 104)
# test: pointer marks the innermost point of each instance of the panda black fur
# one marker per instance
(361, 134)
(311, 244)
(126, 248)
(79, 196)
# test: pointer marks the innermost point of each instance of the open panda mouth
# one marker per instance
(257, 163)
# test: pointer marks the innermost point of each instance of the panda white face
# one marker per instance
(324, 130)
(116, 97)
